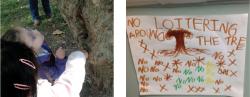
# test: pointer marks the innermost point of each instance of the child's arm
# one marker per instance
(60, 61)
(70, 82)
(60, 67)
(57, 67)
(42, 56)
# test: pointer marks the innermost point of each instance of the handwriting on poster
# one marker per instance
(187, 55)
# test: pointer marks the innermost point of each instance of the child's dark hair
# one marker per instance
(12, 34)
(18, 70)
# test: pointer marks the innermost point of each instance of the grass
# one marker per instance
(17, 13)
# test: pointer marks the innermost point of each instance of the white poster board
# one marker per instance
(189, 55)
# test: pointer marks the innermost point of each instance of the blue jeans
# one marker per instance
(34, 8)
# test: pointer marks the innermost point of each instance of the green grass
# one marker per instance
(17, 13)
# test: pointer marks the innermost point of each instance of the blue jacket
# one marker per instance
(53, 68)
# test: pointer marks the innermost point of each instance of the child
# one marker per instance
(18, 78)
(19, 74)
(51, 67)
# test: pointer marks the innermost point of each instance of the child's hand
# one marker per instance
(85, 53)
(60, 53)
(38, 34)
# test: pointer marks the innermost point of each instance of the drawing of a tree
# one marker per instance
(179, 36)
(180, 47)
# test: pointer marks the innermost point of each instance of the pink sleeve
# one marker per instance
(69, 84)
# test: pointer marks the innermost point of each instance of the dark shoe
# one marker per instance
(49, 18)
(36, 22)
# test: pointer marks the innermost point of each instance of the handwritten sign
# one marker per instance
(189, 55)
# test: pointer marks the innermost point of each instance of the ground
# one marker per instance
(17, 13)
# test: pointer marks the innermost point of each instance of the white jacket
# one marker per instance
(69, 84)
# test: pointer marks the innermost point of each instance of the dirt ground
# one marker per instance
(17, 13)
(64, 40)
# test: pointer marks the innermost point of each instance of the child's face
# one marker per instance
(32, 38)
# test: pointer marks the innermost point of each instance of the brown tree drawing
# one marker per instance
(180, 47)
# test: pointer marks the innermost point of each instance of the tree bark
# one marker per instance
(91, 22)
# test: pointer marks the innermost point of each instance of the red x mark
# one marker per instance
(163, 88)
(166, 67)
(195, 89)
(200, 89)
(231, 53)
(232, 62)
(190, 88)
(145, 49)
(153, 54)
(141, 43)
(228, 88)
(144, 46)
(216, 90)
(233, 73)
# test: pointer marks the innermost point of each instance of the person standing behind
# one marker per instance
(35, 13)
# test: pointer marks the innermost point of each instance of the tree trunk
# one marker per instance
(91, 22)
(180, 43)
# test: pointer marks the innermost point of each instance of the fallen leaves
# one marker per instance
(58, 32)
